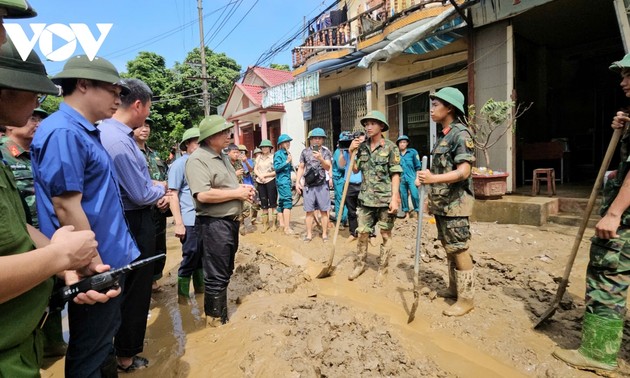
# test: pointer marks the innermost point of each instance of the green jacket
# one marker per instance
(377, 168)
(612, 186)
(19, 161)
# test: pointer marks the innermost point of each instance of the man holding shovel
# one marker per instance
(608, 271)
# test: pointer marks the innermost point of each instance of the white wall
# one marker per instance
(293, 124)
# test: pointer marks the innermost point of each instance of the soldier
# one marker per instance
(410, 163)
(451, 194)
(378, 160)
(607, 276)
(282, 164)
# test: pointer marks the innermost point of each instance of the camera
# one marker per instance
(315, 147)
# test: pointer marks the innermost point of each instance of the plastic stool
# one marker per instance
(544, 174)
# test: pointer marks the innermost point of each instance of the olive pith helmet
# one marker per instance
(257, 151)
(40, 112)
(451, 95)
(211, 125)
(241, 147)
(378, 116)
(189, 134)
(317, 132)
(619, 65)
(402, 137)
(99, 69)
(284, 138)
(267, 143)
(149, 121)
(29, 75)
(17, 9)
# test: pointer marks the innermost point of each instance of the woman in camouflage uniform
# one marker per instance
(451, 194)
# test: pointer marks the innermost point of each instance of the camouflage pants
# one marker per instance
(453, 232)
(368, 216)
(608, 276)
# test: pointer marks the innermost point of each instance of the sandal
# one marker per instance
(325, 239)
(307, 239)
(137, 363)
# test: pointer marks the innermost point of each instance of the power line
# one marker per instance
(225, 20)
(219, 18)
(237, 24)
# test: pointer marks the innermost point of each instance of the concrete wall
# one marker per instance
(294, 125)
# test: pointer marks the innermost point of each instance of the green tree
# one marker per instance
(282, 67)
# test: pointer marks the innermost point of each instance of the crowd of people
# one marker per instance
(83, 193)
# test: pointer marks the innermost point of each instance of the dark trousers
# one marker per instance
(352, 200)
(268, 194)
(92, 329)
(159, 220)
(218, 239)
(191, 254)
(136, 295)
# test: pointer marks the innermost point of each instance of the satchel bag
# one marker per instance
(313, 177)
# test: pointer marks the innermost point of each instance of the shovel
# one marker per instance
(328, 269)
(416, 265)
(562, 287)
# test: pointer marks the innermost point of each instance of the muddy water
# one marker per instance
(284, 322)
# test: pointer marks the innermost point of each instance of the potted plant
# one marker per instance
(488, 126)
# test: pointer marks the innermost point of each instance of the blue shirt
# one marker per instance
(410, 163)
(67, 156)
(282, 168)
(137, 189)
(177, 181)
(355, 178)
(338, 172)
(247, 175)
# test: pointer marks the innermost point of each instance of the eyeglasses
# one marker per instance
(41, 98)
(227, 132)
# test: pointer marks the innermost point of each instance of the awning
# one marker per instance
(435, 34)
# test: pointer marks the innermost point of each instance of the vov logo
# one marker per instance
(70, 33)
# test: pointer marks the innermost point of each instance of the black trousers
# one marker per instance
(136, 295)
(352, 200)
(218, 240)
(159, 220)
(268, 194)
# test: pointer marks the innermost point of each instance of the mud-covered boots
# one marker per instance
(215, 306)
(465, 293)
(361, 256)
(197, 278)
(451, 290)
(265, 222)
(274, 222)
(601, 340)
(383, 261)
(183, 289)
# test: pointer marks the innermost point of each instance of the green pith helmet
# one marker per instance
(266, 143)
(402, 137)
(189, 134)
(284, 138)
(241, 147)
(378, 116)
(257, 151)
(317, 132)
(149, 121)
(212, 125)
(451, 95)
(40, 112)
(100, 69)
(621, 64)
(17, 9)
(358, 129)
(29, 75)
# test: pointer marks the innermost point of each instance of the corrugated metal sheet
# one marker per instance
(489, 11)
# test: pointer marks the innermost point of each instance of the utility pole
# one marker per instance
(204, 76)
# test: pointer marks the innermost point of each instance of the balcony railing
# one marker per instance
(358, 28)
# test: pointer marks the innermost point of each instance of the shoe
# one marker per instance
(325, 238)
(289, 231)
(137, 363)
(307, 239)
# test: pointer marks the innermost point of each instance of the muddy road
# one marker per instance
(286, 323)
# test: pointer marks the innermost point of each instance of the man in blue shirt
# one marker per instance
(410, 162)
(183, 209)
(75, 185)
(138, 193)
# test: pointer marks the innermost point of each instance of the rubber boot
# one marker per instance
(54, 345)
(274, 222)
(265, 222)
(601, 340)
(361, 257)
(465, 293)
(412, 214)
(215, 306)
(451, 290)
(183, 289)
(197, 278)
(383, 261)
(254, 216)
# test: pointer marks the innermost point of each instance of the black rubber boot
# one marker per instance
(215, 306)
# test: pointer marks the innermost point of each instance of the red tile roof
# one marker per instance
(253, 92)
(271, 76)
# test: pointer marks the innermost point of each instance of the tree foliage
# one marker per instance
(282, 67)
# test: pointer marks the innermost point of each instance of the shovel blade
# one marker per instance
(547, 315)
(326, 272)
(414, 307)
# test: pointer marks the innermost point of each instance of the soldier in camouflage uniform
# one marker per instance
(451, 194)
(234, 155)
(158, 172)
(378, 160)
(608, 271)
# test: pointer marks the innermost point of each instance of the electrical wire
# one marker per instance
(224, 22)
(237, 24)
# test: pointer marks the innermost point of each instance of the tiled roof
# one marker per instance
(254, 92)
(271, 76)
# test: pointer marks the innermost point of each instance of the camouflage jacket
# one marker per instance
(612, 186)
(157, 168)
(377, 168)
(451, 149)
(238, 165)
(19, 161)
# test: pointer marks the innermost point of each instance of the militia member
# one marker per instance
(282, 164)
(266, 184)
(410, 163)
(354, 188)
(339, 175)
(234, 153)
(378, 160)
(607, 274)
(451, 194)
(219, 203)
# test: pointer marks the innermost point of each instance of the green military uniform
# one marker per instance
(21, 342)
(19, 161)
(157, 168)
(452, 203)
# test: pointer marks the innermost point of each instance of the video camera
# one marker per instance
(347, 137)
